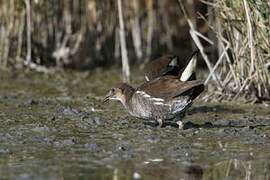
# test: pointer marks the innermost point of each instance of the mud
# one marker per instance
(56, 126)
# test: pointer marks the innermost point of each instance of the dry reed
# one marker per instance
(242, 31)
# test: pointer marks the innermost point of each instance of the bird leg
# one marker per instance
(180, 124)
(160, 122)
(178, 120)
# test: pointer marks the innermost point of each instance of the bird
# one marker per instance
(171, 65)
(164, 65)
(163, 98)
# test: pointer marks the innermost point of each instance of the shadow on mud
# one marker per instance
(215, 109)
(206, 125)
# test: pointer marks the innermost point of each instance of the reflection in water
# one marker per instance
(115, 174)
(228, 169)
(156, 170)
(239, 169)
(194, 172)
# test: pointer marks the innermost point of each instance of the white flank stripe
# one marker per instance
(143, 93)
(162, 104)
(140, 92)
(157, 99)
(158, 103)
(146, 95)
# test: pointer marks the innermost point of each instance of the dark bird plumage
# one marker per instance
(169, 65)
(162, 98)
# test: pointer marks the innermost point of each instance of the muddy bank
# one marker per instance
(56, 126)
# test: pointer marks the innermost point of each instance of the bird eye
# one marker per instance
(113, 90)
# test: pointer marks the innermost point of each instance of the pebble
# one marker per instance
(91, 146)
(136, 175)
(4, 151)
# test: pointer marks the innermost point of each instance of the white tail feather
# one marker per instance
(189, 69)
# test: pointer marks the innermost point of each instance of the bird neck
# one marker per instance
(128, 92)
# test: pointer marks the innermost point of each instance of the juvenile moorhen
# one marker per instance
(163, 98)
(171, 65)
(164, 65)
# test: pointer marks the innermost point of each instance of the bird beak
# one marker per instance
(107, 97)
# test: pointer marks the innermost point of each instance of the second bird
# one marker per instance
(171, 65)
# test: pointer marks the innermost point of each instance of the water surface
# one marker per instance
(55, 126)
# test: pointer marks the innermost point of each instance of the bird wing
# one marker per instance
(168, 87)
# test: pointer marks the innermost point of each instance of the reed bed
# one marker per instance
(43, 35)
(240, 32)
(85, 33)
(243, 40)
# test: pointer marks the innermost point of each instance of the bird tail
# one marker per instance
(190, 68)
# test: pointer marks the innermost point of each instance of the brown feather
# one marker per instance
(168, 87)
(159, 67)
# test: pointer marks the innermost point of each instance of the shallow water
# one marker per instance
(56, 126)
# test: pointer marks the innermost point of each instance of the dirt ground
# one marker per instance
(55, 126)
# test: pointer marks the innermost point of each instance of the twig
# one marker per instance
(228, 60)
(250, 38)
(136, 31)
(150, 28)
(28, 32)
(125, 65)
(216, 65)
(20, 37)
(198, 43)
(204, 38)
(209, 65)
(28, 61)
(242, 87)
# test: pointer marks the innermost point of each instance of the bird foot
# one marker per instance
(180, 124)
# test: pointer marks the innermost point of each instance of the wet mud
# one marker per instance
(55, 126)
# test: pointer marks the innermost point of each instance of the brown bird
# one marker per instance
(171, 65)
(163, 98)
